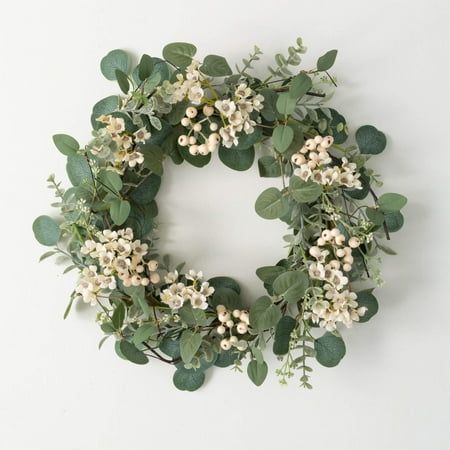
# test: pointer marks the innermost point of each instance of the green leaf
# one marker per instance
(225, 282)
(130, 352)
(282, 338)
(197, 160)
(114, 60)
(104, 106)
(190, 342)
(325, 62)
(118, 316)
(78, 170)
(111, 180)
(270, 204)
(269, 111)
(153, 158)
(177, 112)
(215, 66)
(268, 274)
(368, 300)
(282, 137)
(370, 140)
(391, 202)
(145, 67)
(227, 297)
(66, 144)
(394, 221)
(171, 347)
(286, 104)
(122, 80)
(375, 216)
(330, 349)
(237, 159)
(179, 53)
(192, 316)
(291, 285)
(119, 210)
(147, 190)
(225, 358)
(269, 167)
(46, 230)
(188, 379)
(304, 191)
(300, 85)
(144, 333)
(257, 372)
(264, 314)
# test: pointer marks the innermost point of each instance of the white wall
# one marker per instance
(58, 391)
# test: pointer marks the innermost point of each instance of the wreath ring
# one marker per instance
(181, 109)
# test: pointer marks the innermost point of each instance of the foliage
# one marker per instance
(182, 109)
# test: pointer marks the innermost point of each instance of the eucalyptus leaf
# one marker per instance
(370, 140)
(300, 85)
(264, 314)
(269, 167)
(188, 379)
(66, 144)
(330, 349)
(282, 338)
(114, 60)
(257, 372)
(46, 230)
(237, 159)
(304, 191)
(119, 210)
(215, 66)
(132, 353)
(270, 204)
(190, 343)
(179, 53)
(326, 61)
(391, 202)
(282, 137)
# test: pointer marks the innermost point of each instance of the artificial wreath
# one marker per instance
(181, 109)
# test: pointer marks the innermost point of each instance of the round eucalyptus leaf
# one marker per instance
(391, 202)
(370, 140)
(394, 221)
(282, 137)
(368, 300)
(46, 230)
(114, 60)
(188, 379)
(304, 191)
(66, 144)
(179, 53)
(215, 66)
(132, 353)
(330, 349)
(237, 159)
(270, 204)
(119, 211)
(225, 282)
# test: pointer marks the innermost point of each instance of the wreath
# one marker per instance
(181, 109)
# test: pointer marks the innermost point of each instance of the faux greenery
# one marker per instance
(178, 109)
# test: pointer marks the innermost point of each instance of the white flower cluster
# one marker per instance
(338, 304)
(178, 293)
(117, 254)
(205, 135)
(114, 143)
(92, 285)
(314, 162)
(189, 87)
(232, 321)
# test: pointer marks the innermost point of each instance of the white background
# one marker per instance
(391, 391)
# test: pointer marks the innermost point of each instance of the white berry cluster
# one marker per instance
(113, 143)
(178, 293)
(205, 135)
(331, 259)
(233, 323)
(313, 161)
(117, 254)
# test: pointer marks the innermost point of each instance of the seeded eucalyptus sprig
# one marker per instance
(184, 109)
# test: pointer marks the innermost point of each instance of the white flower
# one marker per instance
(228, 136)
(198, 301)
(196, 94)
(116, 125)
(193, 275)
(171, 277)
(141, 135)
(243, 91)
(226, 107)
